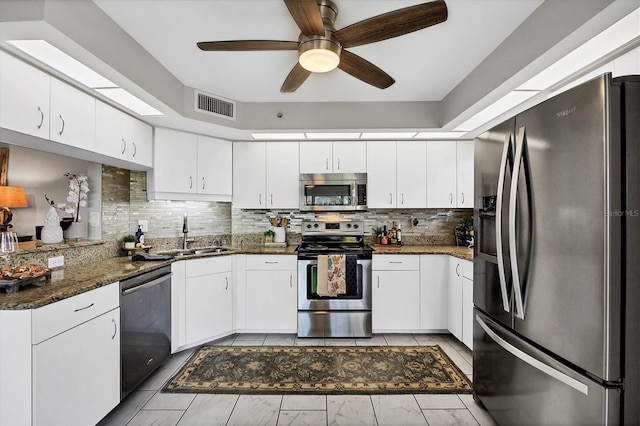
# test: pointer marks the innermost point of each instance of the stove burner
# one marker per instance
(315, 247)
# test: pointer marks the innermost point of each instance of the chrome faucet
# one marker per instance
(185, 233)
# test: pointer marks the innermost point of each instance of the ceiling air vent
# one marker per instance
(212, 105)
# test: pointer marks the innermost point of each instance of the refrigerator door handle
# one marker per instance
(506, 156)
(533, 362)
(513, 247)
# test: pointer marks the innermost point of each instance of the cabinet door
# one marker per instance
(283, 175)
(350, 157)
(434, 277)
(464, 173)
(411, 174)
(140, 142)
(316, 157)
(73, 116)
(76, 374)
(249, 175)
(467, 312)
(272, 301)
(174, 161)
(454, 293)
(381, 175)
(214, 166)
(441, 174)
(396, 300)
(24, 97)
(111, 131)
(209, 309)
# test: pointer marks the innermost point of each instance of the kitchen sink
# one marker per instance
(192, 252)
(210, 250)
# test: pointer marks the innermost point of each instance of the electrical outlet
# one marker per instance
(55, 262)
(144, 225)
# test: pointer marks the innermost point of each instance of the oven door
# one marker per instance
(358, 295)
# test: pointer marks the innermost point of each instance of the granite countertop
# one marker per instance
(69, 281)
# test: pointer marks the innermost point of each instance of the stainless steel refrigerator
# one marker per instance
(557, 260)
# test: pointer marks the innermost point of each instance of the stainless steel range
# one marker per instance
(346, 313)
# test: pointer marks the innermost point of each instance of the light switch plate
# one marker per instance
(144, 225)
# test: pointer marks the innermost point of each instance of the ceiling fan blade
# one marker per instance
(296, 77)
(240, 45)
(393, 24)
(364, 70)
(306, 13)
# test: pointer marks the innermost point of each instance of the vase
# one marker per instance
(51, 234)
(280, 236)
(75, 231)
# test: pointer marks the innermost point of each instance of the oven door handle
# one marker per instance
(147, 284)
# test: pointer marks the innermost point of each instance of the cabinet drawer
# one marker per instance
(68, 313)
(467, 269)
(208, 265)
(269, 262)
(395, 262)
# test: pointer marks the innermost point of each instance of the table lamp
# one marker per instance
(10, 196)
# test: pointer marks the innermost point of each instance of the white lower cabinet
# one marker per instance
(467, 312)
(460, 303)
(271, 293)
(396, 293)
(76, 374)
(434, 276)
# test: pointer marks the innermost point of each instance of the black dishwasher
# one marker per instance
(145, 322)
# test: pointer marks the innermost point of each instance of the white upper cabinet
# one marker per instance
(441, 174)
(73, 116)
(190, 167)
(24, 97)
(118, 135)
(333, 157)
(464, 173)
(396, 176)
(266, 175)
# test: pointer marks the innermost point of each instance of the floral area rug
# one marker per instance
(319, 370)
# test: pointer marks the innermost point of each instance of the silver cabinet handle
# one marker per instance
(457, 266)
(41, 118)
(271, 199)
(338, 163)
(451, 198)
(115, 328)
(190, 182)
(535, 363)
(390, 198)
(507, 154)
(462, 193)
(124, 146)
(82, 309)
(203, 183)
(378, 281)
(62, 128)
(290, 281)
(402, 198)
(135, 149)
(260, 199)
(226, 280)
(326, 165)
(395, 261)
(270, 262)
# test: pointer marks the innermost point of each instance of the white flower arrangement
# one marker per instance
(77, 197)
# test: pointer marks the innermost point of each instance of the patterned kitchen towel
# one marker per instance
(322, 282)
(336, 282)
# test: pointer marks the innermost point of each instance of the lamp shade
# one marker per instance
(12, 196)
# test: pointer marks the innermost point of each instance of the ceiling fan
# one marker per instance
(321, 48)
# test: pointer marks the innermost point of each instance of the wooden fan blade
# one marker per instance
(364, 70)
(393, 24)
(240, 45)
(306, 13)
(296, 77)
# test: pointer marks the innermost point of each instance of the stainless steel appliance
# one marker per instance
(343, 315)
(145, 321)
(556, 294)
(333, 192)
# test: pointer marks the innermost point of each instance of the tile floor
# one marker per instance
(148, 406)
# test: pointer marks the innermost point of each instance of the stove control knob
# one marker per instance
(348, 225)
(315, 225)
(308, 226)
(355, 226)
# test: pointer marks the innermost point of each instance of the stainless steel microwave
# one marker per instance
(333, 192)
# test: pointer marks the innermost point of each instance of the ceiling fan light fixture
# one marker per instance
(319, 55)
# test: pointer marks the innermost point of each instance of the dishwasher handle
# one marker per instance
(147, 284)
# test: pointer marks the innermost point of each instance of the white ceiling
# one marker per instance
(444, 74)
(426, 64)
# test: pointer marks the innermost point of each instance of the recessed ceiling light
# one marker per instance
(330, 136)
(277, 136)
(439, 135)
(60, 61)
(129, 101)
(388, 135)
